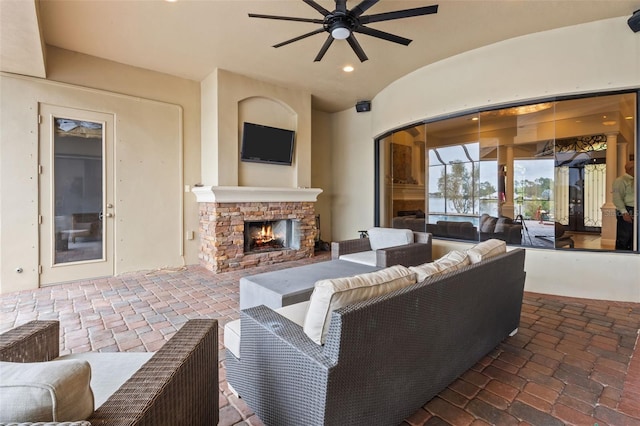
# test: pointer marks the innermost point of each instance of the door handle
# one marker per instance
(102, 215)
(108, 214)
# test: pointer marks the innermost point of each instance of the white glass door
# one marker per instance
(76, 200)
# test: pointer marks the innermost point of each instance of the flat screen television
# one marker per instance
(264, 144)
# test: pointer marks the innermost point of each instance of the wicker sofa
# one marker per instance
(178, 385)
(383, 357)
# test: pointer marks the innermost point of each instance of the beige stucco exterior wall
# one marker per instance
(158, 130)
(353, 173)
(229, 98)
(603, 55)
(594, 57)
(322, 170)
(89, 71)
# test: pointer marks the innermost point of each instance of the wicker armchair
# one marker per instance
(407, 255)
(178, 385)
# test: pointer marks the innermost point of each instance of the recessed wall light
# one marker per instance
(630, 117)
(474, 119)
(609, 123)
(348, 68)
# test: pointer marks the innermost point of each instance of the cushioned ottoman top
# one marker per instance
(292, 285)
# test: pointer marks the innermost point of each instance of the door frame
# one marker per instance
(51, 273)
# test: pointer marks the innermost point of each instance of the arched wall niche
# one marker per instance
(269, 112)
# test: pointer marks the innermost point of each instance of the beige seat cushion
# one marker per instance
(296, 313)
(486, 250)
(57, 391)
(450, 262)
(109, 370)
(331, 294)
(363, 257)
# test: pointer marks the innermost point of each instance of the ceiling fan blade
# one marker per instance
(383, 35)
(399, 14)
(286, 18)
(357, 48)
(319, 30)
(341, 6)
(324, 48)
(317, 7)
(363, 7)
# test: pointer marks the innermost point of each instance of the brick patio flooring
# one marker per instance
(573, 361)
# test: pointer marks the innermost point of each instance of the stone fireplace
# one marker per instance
(243, 227)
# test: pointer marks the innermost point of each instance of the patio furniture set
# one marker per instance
(321, 344)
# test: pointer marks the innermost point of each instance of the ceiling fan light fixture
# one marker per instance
(340, 32)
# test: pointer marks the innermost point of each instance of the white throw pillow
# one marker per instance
(486, 250)
(331, 294)
(380, 238)
(56, 391)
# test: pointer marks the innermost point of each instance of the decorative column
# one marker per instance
(623, 157)
(608, 234)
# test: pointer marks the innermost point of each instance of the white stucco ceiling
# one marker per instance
(190, 38)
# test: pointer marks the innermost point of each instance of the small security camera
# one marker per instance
(363, 106)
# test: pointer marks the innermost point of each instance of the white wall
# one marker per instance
(155, 142)
(226, 99)
(88, 71)
(594, 57)
(603, 55)
(321, 170)
(352, 157)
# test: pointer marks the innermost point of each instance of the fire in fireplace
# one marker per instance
(268, 235)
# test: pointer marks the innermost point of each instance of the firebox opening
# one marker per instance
(269, 235)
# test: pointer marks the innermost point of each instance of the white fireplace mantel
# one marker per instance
(251, 194)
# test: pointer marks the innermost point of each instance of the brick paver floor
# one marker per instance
(573, 361)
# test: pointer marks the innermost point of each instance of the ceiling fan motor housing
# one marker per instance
(339, 25)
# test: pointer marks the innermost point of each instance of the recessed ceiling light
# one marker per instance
(609, 123)
(630, 117)
(474, 118)
(171, 1)
(348, 68)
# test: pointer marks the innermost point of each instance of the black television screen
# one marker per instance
(264, 144)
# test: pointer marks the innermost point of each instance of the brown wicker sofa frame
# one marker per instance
(408, 255)
(383, 358)
(177, 386)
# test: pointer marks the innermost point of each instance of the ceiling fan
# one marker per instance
(342, 23)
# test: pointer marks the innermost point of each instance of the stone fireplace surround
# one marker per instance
(223, 211)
